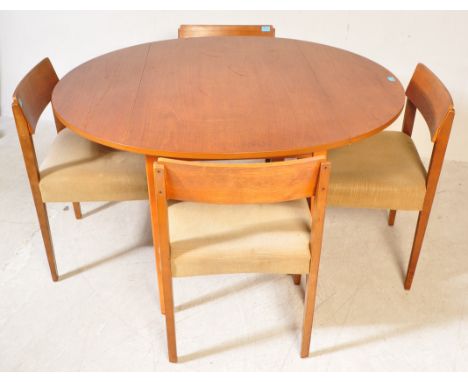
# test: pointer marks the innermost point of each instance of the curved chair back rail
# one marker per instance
(428, 94)
(34, 92)
(240, 183)
(186, 31)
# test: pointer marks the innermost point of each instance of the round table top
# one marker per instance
(228, 98)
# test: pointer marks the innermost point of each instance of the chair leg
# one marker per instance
(169, 314)
(77, 210)
(421, 226)
(391, 217)
(311, 289)
(41, 210)
(312, 277)
(297, 279)
(154, 219)
(318, 218)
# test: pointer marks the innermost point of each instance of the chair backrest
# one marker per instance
(226, 30)
(31, 97)
(33, 93)
(428, 94)
(237, 183)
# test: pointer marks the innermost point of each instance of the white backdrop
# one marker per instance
(397, 40)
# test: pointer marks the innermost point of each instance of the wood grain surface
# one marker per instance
(227, 98)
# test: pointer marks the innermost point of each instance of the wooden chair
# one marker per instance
(385, 171)
(239, 218)
(74, 169)
(186, 31)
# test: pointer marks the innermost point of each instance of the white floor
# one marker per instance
(104, 313)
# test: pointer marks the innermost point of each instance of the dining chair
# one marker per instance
(74, 169)
(240, 218)
(186, 31)
(385, 171)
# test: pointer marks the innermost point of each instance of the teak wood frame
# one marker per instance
(187, 31)
(30, 98)
(312, 183)
(427, 94)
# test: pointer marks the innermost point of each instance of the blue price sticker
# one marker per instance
(265, 28)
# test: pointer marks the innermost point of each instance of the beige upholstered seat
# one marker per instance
(214, 239)
(76, 169)
(383, 171)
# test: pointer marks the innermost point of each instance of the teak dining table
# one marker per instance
(227, 98)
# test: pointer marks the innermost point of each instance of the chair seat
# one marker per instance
(214, 239)
(384, 171)
(76, 169)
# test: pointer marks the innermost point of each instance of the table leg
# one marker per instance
(154, 216)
